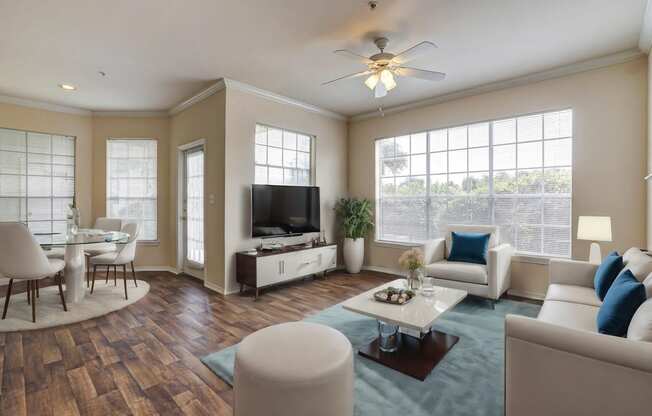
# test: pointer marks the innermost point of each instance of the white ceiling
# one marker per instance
(159, 52)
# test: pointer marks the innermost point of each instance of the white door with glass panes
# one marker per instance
(193, 211)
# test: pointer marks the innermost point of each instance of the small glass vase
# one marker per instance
(414, 278)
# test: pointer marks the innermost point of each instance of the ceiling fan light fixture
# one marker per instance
(387, 78)
(372, 81)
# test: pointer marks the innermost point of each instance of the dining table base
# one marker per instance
(75, 272)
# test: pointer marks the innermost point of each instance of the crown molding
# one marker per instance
(200, 96)
(241, 86)
(645, 39)
(135, 114)
(588, 65)
(42, 105)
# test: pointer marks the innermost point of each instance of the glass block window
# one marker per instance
(283, 157)
(515, 173)
(37, 179)
(131, 183)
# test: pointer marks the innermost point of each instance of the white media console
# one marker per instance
(267, 268)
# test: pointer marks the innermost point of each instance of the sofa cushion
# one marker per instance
(606, 274)
(572, 293)
(570, 315)
(638, 262)
(624, 297)
(640, 328)
(469, 247)
(462, 272)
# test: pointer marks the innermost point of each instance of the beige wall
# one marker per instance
(80, 126)
(649, 150)
(148, 254)
(609, 157)
(243, 111)
(204, 120)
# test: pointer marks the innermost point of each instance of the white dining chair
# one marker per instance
(21, 258)
(125, 254)
(90, 250)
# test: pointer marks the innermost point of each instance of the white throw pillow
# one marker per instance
(632, 252)
(640, 264)
(648, 285)
(640, 328)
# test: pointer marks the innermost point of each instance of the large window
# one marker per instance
(131, 183)
(37, 179)
(514, 173)
(283, 157)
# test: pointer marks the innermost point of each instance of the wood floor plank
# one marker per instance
(145, 358)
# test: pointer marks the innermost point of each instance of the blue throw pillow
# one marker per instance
(624, 297)
(613, 253)
(469, 247)
(606, 274)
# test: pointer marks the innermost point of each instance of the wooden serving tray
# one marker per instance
(378, 299)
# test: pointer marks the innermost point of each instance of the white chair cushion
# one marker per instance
(55, 253)
(494, 240)
(462, 272)
(572, 293)
(99, 248)
(640, 327)
(106, 258)
(569, 314)
(57, 265)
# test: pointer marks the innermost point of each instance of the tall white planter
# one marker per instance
(353, 254)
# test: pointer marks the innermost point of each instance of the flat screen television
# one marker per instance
(279, 210)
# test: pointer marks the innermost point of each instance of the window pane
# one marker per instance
(530, 155)
(12, 209)
(261, 135)
(418, 165)
(530, 128)
(479, 135)
(290, 176)
(275, 137)
(439, 162)
(303, 160)
(289, 140)
(282, 149)
(387, 187)
(505, 182)
(479, 159)
(556, 240)
(558, 152)
(396, 167)
(529, 239)
(13, 162)
(530, 181)
(504, 131)
(419, 143)
(457, 138)
(39, 186)
(290, 158)
(556, 211)
(505, 157)
(558, 124)
(13, 140)
(411, 186)
(303, 143)
(274, 156)
(386, 147)
(403, 145)
(456, 183)
(557, 181)
(261, 154)
(477, 183)
(438, 140)
(261, 174)
(62, 145)
(439, 184)
(39, 143)
(457, 161)
(275, 176)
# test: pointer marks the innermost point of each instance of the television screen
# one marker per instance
(279, 210)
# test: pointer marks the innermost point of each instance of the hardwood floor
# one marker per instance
(144, 359)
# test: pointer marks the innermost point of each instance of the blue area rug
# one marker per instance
(469, 381)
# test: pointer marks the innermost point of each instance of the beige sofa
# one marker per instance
(558, 364)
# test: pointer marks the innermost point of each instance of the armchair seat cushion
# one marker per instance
(106, 258)
(99, 248)
(570, 315)
(572, 293)
(459, 271)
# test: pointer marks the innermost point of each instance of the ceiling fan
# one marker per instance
(383, 66)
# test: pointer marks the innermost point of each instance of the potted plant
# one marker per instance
(356, 219)
(413, 261)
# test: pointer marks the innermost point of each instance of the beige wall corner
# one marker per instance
(609, 153)
(203, 120)
(157, 128)
(53, 122)
(243, 111)
(649, 151)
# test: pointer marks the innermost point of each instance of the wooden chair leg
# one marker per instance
(133, 272)
(4, 312)
(38, 295)
(115, 275)
(124, 276)
(29, 292)
(107, 273)
(63, 299)
(93, 285)
(33, 285)
(88, 271)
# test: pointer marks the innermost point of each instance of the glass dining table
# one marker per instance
(74, 254)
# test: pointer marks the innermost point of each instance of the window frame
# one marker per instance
(26, 218)
(491, 172)
(313, 147)
(108, 199)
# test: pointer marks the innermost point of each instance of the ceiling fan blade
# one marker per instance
(420, 73)
(411, 53)
(352, 55)
(356, 75)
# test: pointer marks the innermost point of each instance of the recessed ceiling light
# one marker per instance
(67, 87)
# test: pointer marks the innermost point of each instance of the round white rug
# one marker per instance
(49, 311)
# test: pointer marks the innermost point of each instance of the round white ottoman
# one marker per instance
(294, 369)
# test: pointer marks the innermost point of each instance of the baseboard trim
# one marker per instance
(526, 294)
(215, 288)
(156, 269)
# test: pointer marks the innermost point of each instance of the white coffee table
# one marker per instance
(415, 354)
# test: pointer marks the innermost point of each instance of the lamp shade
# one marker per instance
(594, 228)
